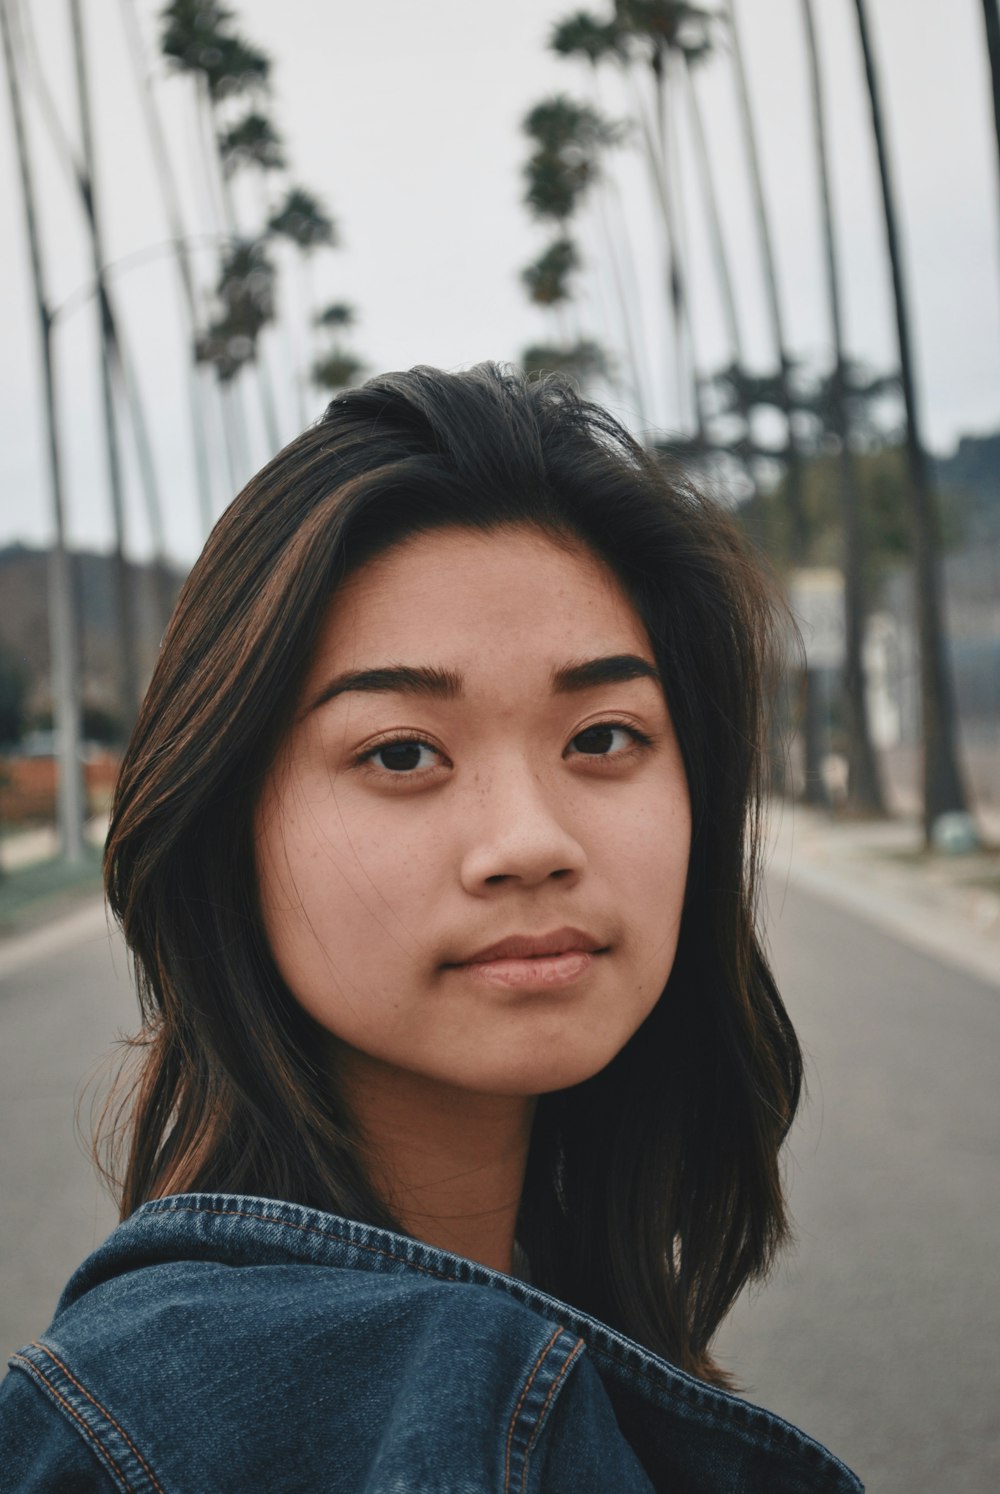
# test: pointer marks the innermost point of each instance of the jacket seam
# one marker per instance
(36, 1374)
(553, 1388)
(539, 1419)
(105, 1413)
(517, 1409)
(721, 1409)
(311, 1229)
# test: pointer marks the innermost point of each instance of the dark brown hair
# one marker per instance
(653, 1192)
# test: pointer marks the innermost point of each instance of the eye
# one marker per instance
(597, 740)
(401, 755)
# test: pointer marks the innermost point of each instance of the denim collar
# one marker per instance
(655, 1401)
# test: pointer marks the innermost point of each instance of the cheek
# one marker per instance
(651, 853)
(651, 840)
(344, 898)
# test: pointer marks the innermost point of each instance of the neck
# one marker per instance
(449, 1163)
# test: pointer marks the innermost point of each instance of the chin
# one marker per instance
(542, 1075)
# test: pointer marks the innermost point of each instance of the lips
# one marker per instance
(528, 946)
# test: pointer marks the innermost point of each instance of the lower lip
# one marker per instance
(541, 971)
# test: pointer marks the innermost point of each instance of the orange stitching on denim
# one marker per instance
(308, 1229)
(107, 1414)
(33, 1371)
(541, 1415)
(517, 1409)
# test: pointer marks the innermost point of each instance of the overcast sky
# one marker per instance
(405, 119)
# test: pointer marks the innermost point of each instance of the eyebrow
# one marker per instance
(448, 684)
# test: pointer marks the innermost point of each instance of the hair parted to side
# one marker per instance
(653, 1192)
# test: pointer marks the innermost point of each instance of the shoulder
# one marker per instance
(193, 1374)
(45, 1444)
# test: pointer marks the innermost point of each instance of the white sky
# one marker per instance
(405, 119)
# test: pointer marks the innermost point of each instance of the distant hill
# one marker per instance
(24, 623)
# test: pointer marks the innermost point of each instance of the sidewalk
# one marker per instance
(947, 906)
(36, 887)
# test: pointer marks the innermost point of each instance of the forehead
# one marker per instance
(480, 594)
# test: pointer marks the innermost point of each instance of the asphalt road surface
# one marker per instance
(879, 1333)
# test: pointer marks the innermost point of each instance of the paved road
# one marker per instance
(59, 1018)
(879, 1334)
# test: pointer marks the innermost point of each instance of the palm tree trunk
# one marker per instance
(991, 15)
(655, 141)
(175, 221)
(82, 181)
(128, 665)
(622, 266)
(864, 788)
(62, 592)
(944, 790)
(795, 487)
(814, 791)
(716, 237)
(123, 368)
(720, 254)
(265, 387)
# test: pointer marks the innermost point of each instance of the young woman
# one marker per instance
(462, 1078)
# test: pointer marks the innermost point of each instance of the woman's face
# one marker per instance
(493, 789)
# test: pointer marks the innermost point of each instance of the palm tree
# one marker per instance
(793, 456)
(62, 594)
(336, 370)
(582, 35)
(657, 32)
(304, 223)
(252, 141)
(113, 343)
(338, 366)
(863, 784)
(943, 788)
(547, 278)
(582, 360)
(129, 687)
(197, 40)
(568, 137)
(175, 221)
(337, 314)
(991, 16)
(794, 487)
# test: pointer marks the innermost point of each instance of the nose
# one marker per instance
(515, 830)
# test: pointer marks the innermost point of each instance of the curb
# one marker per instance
(82, 925)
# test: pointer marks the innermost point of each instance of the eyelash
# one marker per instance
(364, 760)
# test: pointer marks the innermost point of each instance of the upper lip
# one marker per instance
(524, 946)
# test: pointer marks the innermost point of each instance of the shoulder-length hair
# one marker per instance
(653, 1192)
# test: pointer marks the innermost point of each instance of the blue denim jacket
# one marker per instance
(216, 1342)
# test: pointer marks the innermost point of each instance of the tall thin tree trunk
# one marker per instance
(720, 254)
(655, 141)
(182, 259)
(624, 272)
(713, 216)
(82, 183)
(991, 16)
(63, 604)
(944, 790)
(127, 633)
(814, 791)
(795, 486)
(864, 788)
(125, 374)
(265, 388)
